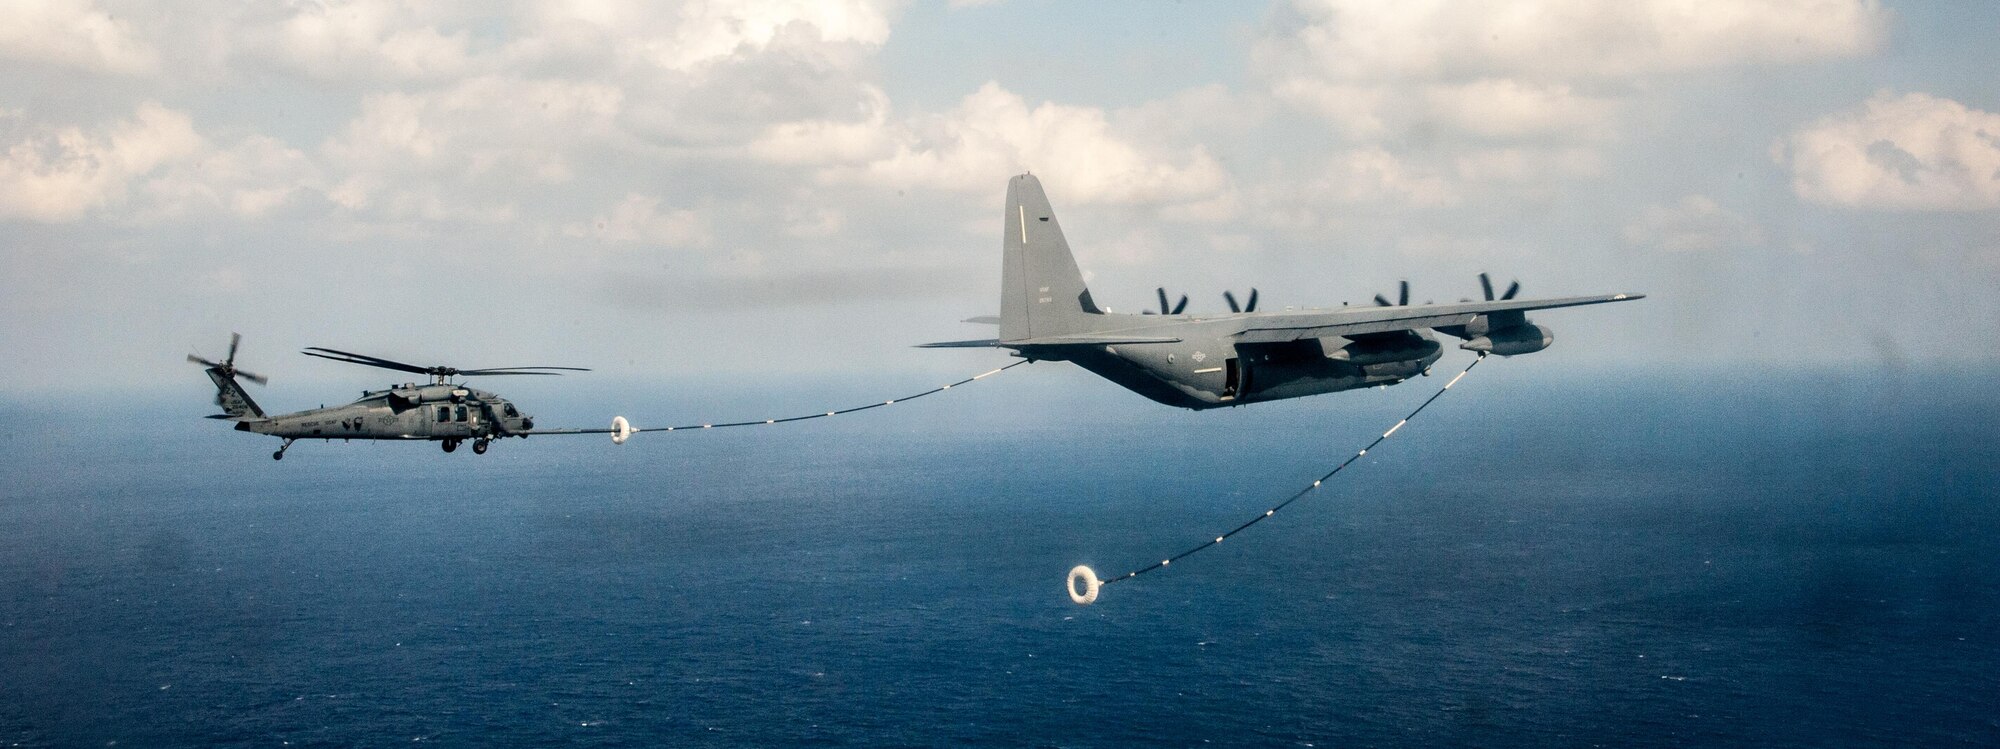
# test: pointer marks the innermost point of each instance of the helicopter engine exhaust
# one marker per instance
(621, 430)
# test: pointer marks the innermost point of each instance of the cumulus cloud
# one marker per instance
(251, 179)
(691, 35)
(1524, 70)
(454, 151)
(995, 132)
(1695, 223)
(638, 219)
(1567, 39)
(366, 39)
(59, 174)
(72, 33)
(1913, 152)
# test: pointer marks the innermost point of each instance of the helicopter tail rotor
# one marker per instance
(229, 393)
(228, 363)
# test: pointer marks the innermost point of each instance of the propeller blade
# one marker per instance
(1163, 301)
(1383, 301)
(201, 361)
(1512, 289)
(1252, 306)
(1403, 297)
(1486, 285)
(253, 377)
(1180, 305)
(235, 339)
(1231, 299)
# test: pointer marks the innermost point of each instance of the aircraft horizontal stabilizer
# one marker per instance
(1085, 339)
(981, 343)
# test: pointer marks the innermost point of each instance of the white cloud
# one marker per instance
(1501, 109)
(638, 219)
(249, 180)
(995, 132)
(58, 175)
(464, 148)
(688, 35)
(1695, 223)
(831, 141)
(1568, 39)
(72, 33)
(1529, 70)
(1914, 152)
(385, 39)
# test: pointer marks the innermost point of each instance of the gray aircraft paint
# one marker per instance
(442, 410)
(1208, 361)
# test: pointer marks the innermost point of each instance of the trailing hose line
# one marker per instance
(1087, 593)
(626, 430)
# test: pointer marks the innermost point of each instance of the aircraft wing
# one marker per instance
(1080, 339)
(1351, 321)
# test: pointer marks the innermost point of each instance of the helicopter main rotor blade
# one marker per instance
(496, 370)
(351, 358)
(486, 373)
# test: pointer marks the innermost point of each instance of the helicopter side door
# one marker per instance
(447, 420)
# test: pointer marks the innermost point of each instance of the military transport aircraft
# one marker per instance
(441, 410)
(1199, 361)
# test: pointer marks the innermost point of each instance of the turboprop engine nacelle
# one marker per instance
(1519, 339)
(1361, 353)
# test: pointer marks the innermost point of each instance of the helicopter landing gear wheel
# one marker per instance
(450, 445)
(479, 446)
(280, 454)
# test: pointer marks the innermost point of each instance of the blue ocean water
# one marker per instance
(1632, 558)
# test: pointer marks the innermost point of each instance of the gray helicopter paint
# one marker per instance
(1210, 361)
(442, 410)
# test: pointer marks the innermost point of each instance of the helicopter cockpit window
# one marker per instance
(461, 413)
(509, 410)
(444, 414)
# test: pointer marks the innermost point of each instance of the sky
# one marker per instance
(799, 188)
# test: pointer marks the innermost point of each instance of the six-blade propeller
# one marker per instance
(1249, 306)
(1166, 309)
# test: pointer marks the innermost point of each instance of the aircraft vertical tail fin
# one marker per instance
(230, 395)
(1041, 291)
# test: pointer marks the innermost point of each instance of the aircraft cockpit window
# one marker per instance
(444, 414)
(509, 410)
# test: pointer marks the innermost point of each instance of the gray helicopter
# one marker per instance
(442, 410)
(1200, 361)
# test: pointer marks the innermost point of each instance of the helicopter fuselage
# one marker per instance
(445, 412)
